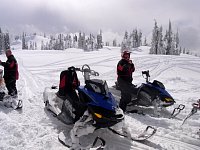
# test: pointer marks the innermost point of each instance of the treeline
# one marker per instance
(61, 42)
(166, 43)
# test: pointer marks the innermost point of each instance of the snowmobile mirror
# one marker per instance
(72, 68)
(94, 73)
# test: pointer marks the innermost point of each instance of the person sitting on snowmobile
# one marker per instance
(67, 90)
(125, 68)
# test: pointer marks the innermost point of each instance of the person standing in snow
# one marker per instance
(10, 73)
(125, 68)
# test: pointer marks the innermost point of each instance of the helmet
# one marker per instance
(126, 54)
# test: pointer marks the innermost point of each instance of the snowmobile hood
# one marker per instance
(104, 101)
(162, 91)
(103, 108)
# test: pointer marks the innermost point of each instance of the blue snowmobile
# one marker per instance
(95, 107)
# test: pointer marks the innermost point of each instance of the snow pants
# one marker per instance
(128, 90)
(11, 87)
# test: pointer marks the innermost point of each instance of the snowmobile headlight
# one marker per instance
(168, 99)
(98, 115)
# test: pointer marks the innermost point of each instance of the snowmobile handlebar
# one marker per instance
(86, 71)
(147, 75)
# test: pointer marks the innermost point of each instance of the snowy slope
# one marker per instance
(34, 128)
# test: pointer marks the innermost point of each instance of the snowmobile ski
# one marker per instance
(193, 111)
(196, 107)
(177, 111)
(146, 134)
(98, 144)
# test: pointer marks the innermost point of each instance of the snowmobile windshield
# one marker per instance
(97, 86)
(159, 84)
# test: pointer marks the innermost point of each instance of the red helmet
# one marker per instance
(126, 54)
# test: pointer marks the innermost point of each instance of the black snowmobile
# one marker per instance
(95, 104)
(150, 94)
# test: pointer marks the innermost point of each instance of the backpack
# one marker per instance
(68, 81)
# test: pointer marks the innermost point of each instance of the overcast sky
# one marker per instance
(114, 17)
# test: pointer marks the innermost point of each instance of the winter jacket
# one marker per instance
(125, 70)
(10, 68)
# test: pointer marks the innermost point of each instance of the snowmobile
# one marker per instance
(150, 94)
(100, 110)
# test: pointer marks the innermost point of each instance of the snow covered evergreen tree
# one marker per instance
(4, 41)
(169, 40)
(81, 41)
(24, 44)
(7, 41)
(125, 43)
(91, 42)
(2, 44)
(155, 40)
(176, 40)
(169, 45)
(161, 49)
(99, 40)
(75, 40)
(60, 45)
(114, 43)
(145, 42)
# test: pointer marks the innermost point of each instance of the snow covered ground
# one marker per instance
(35, 128)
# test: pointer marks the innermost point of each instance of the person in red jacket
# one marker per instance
(10, 73)
(125, 69)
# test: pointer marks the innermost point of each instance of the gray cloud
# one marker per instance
(114, 17)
